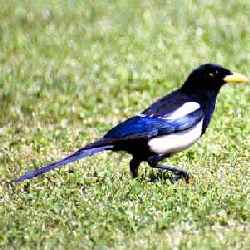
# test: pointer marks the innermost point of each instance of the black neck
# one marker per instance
(207, 101)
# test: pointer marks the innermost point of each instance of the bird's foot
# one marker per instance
(178, 173)
(183, 175)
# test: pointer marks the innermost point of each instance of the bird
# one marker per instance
(170, 125)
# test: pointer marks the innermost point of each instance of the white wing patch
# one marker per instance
(173, 143)
(186, 108)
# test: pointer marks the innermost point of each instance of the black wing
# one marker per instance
(167, 104)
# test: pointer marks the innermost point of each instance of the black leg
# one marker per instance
(179, 173)
(134, 165)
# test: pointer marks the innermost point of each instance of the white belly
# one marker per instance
(173, 143)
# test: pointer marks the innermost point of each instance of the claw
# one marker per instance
(181, 175)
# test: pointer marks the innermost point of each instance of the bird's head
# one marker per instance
(211, 77)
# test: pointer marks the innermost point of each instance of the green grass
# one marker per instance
(69, 71)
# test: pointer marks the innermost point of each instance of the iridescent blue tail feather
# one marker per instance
(81, 153)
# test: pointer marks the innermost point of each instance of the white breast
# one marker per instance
(186, 108)
(173, 143)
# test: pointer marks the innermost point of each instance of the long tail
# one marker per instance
(89, 150)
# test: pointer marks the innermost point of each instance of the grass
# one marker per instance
(69, 71)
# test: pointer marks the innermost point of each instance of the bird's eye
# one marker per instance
(213, 74)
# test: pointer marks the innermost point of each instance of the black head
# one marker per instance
(210, 77)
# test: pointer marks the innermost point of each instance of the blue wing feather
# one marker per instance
(150, 126)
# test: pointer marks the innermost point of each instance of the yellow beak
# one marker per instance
(235, 78)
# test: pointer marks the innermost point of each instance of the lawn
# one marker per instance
(69, 71)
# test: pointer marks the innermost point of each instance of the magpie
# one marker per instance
(170, 125)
